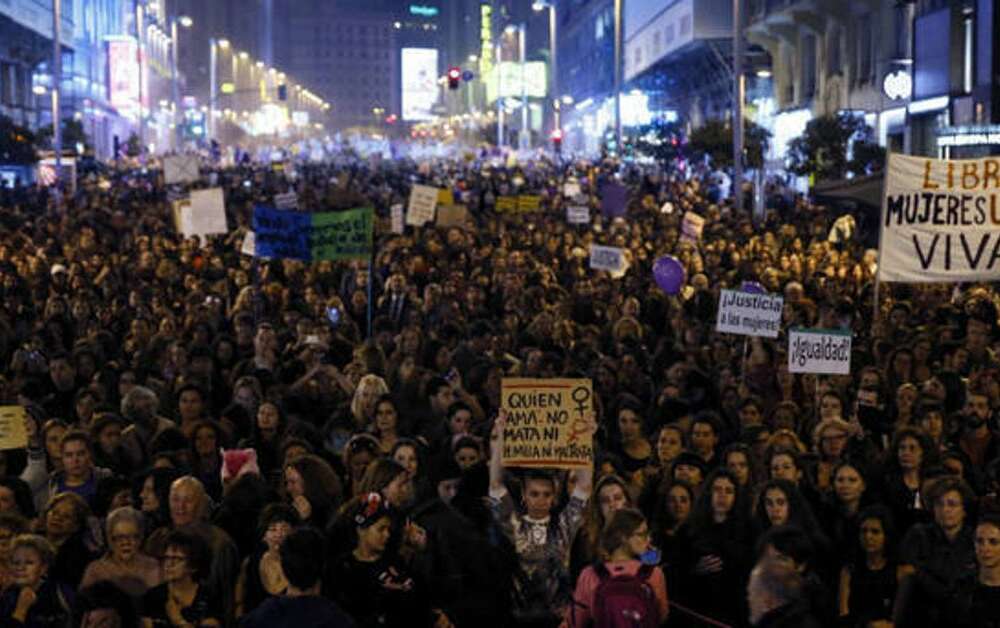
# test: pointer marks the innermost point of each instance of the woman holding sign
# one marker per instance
(540, 537)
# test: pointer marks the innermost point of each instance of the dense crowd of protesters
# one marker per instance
(216, 439)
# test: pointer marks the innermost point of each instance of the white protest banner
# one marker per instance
(180, 169)
(691, 227)
(423, 201)
(249, 244)
(396, 212)
(206, 215)
(577, 214)
(608, 258)
(288, 200)
(940, 220)
(749, 314)
(822, 351)
(571, 190)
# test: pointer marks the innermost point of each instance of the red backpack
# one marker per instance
(624, 601)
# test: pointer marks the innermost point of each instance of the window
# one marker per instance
(863, 65)
(685, 25)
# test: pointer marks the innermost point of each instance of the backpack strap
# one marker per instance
(645, 571)
(601, 571)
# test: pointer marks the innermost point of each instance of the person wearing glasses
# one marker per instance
(125, 564)
(183, 600)
(623, 541)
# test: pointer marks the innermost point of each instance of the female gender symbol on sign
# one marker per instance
(580, 425)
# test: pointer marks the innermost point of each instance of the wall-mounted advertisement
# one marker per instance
(420, 87)
(123, 76)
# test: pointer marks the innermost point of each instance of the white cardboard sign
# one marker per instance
(180, 169)
(608, 258)
(577, 214)
(691, 227)
(206, 214)
(397, 218)
(749, 314)
(822, 351)
(423, 201)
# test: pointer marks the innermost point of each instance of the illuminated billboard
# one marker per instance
(509, 75)
(123, 76)
(420, 87)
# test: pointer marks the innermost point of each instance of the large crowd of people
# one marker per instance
(216, 439)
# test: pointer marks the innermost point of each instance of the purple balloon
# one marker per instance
(669, 274)
(753, 287)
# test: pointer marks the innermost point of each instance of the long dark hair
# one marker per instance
(702, 514)
(800, 514)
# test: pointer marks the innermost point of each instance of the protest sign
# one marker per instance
(608, 258)
(423, 200)
(205, 215)
(547, 423)
(614, 197)
(180, 169)
(577, 214)
(691, 227)
(396, 214)
(288, 200)
(823, 351)
(445, 197)
(572, 189)
(940, 220)
(529, 203)
(13, 434)
(451, 215)
(507, 204)
(312, 237)
(748, 314)
(249, 246)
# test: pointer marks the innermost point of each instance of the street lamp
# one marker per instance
(541, 5)
(186, 22)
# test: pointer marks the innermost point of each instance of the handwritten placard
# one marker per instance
(451, 215)
(507, 204)
(397, 217)
(547, 423)
(311, 237)
(423, 201)
(610, 258)
(823, 351)
(13, 434)
(749, 314)
(577, 214)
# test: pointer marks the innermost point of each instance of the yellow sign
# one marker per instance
(547, 423)
(445, 197)
(507, 204)
(227, 88)
(451, 215)
(13, 434)
(486, 39)
(529, 203)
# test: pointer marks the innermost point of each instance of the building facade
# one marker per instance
(827, 57)
(26, 51)
(345, 51)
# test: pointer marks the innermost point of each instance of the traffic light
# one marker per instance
(282, 92)
(557, 138)
(454, 77)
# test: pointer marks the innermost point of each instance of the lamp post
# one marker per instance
(618, 76)
(56, 80)
(523, 138)
(541, 5)
(739, 93)
(186, 22)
